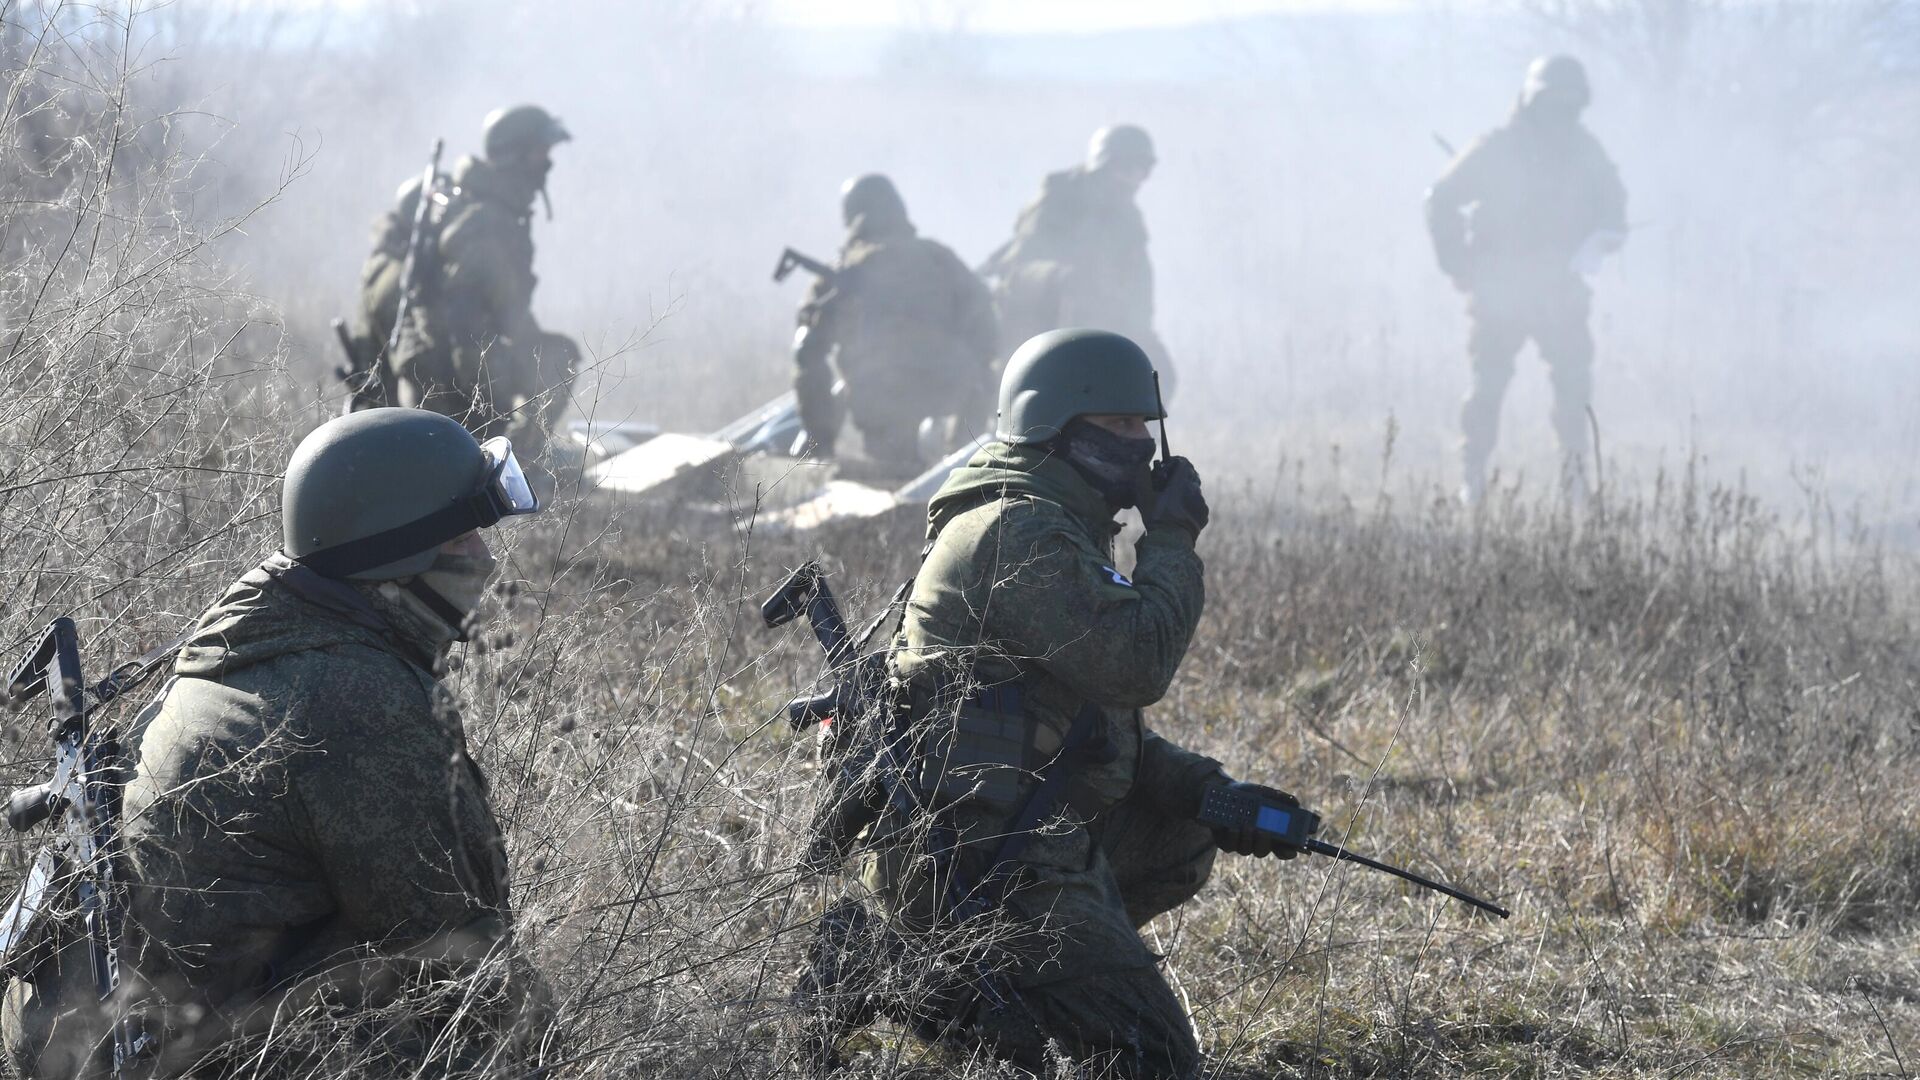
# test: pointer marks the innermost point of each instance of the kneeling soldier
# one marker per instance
(1035, 822)
(306, 839)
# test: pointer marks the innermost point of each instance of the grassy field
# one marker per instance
(1675, 740)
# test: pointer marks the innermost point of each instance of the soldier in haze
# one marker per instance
(909, 327)
(1078, 256)
(471, 348)
(304, 828)
(1516, 221)
(1026, 659)
(380, 278)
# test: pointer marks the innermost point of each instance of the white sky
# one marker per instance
(1018, 16)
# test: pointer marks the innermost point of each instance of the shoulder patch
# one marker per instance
(1116, 576)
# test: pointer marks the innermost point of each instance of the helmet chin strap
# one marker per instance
(438, 604)
(545, 201)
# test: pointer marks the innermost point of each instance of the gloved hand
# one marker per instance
(1250, 840)
(1177, 500)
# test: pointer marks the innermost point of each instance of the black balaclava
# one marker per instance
(1114, 464)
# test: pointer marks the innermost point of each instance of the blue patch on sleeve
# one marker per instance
(1118, 577)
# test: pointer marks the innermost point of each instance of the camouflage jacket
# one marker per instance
(914, 328)
(303, 795)
(1097, 237)
(484, 282)
(1020, 585)
(1519, 203)
(386, 263)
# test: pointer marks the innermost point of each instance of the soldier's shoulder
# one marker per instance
(343, 689)
(935, 252)
(470, 219)
(1591, 145)
(1065, 183)
(1023, 522)
(992, 514)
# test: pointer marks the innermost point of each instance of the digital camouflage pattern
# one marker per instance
(1508, 218)
(305, 830)
(472, 348)
(911, 330)
(1078, 257)
(1020, 584)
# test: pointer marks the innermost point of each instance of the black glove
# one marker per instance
(1250, 840)
(1177, 500)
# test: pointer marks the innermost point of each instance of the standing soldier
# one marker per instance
(1038, 795)
(1078, 256)
(471, 348)
(1517, 220)
(909, 327)
(306, 837)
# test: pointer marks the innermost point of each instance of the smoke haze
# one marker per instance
(1760, 316)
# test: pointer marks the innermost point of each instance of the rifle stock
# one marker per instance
(791, 260)
(85, 790)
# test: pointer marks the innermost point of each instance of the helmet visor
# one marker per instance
(507, 486)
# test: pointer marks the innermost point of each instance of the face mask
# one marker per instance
(1114, 464)
(453, 587)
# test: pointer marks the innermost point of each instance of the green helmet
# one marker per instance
(506, 132)
(374, 494)
(1121, 144)
(871, 196)
(1062, 374)
(1559, 80)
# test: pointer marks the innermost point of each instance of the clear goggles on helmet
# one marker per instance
(503, 493)
(506, 483)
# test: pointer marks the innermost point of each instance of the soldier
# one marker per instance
(909, 327)
(305, 833)
(1078, 256)
(1517, 220)
(1062, 820)
(380, 279)
(471, 348)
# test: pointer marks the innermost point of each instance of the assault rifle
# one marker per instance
(1294, 826)
(791, 260)
(805, 592)
(360, 372)
(410, 270)
(871, 765)
(88, 775)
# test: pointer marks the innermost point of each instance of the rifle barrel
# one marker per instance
(1321, 847)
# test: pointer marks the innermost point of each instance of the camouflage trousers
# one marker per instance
(1554, 318)
(1068, 946)
(504, 388)
(372, 1020)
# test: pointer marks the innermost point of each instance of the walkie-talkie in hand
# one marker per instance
(1229, 808)
(1226, 808)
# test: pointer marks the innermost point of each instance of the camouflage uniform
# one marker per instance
(1536, 193)
(471, 348)
(912, 332)
(1019, 585)
(380, 288)
(303, 814)
(1078, 257)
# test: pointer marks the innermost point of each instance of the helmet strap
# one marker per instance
(439, 605)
